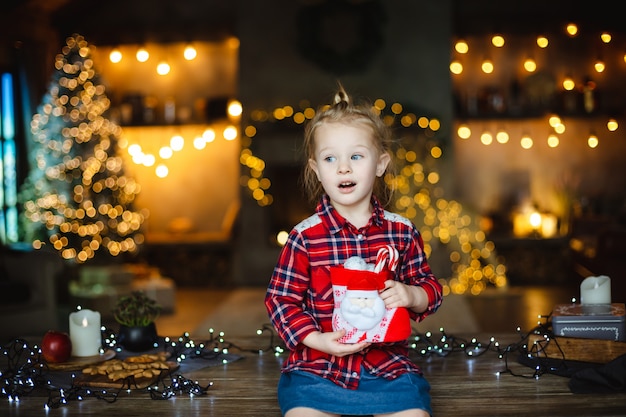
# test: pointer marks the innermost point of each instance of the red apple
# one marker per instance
(56, 346)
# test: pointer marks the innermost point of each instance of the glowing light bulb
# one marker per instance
(559, 128)
(234, 108)
(208, 135)
(568, 84)
(166, 152)
(161, 171)
(502, 136)
(163, 68)
(487, 66)
(456, 67)
(461, 46)
(190, 53)
(554, 120)
(149, 160)
(230, 133)
(497, 41)
(142, 55)
(486, 138)
(177, 143)
(535, 220)
(553, 141)
(542, 41)
(464, 132)
(199, 143)
(530, 65)
(599, 66)
(612, 125)
(571, 29)
(526, 142)
(115, 56)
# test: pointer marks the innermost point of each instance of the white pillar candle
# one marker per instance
(85, 333)
(596, 290)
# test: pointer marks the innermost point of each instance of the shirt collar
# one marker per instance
(335, 222)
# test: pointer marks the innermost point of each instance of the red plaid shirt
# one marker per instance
(299, 297)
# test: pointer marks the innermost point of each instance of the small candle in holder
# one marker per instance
(85, 333)
(596, 290)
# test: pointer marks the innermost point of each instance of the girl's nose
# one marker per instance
(344, 167)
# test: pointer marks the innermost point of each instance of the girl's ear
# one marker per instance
(383, 162)
(313, 166)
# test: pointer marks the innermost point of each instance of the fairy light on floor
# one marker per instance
(26, 372)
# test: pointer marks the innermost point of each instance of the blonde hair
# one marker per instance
(343, 110)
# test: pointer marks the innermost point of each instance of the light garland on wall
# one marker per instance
(176, 143)
(173, 51)
(461, 60)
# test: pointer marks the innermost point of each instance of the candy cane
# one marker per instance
(381, 257)
(394, 258)
(387, 253)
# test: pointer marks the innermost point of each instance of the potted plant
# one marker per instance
(136, 313)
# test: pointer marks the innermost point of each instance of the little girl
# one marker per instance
(347, 146)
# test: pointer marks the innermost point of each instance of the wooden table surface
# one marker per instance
(461, 386)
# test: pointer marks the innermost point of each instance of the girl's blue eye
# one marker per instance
(355, 157)
(329, 159)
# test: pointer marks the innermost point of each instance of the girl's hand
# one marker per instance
(397, 294)
(329, 343)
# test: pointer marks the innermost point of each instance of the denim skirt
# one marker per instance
(375, 395)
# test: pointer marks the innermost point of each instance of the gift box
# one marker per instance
(590, 321)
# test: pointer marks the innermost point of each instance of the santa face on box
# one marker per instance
(359, 309)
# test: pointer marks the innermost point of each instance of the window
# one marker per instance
(8, 167)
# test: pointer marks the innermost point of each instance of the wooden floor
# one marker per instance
(460, 386)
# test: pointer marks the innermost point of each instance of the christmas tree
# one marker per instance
(76, 196)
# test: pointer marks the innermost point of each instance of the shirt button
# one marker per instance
(359, 237)
(355, 374)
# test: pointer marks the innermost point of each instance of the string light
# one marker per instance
(142, 55)
(568, 83)
(542, 41)
(461, 46)
(486, 138)
(464, 131)
(27, 372)
(530, 65)
(599, 66)
(502, 136)
(553, 141)
(498, 41)
(487, 66)
(571, 29)
(190, 53)
(115, 56)
(526, 142)
(163, 68)
(456, 67)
